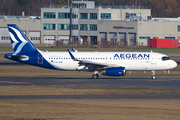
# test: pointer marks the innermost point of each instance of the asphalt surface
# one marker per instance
(160, 83)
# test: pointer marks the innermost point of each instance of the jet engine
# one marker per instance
(114, 71)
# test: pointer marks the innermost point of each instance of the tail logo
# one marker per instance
(18, 40)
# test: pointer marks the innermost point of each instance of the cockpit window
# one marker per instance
(165, 58)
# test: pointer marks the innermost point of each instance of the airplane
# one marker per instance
(108, 63)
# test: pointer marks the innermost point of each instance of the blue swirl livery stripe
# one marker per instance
(56, 67)
(21, 38)
(14, 41)
(50, 65)
(19, 48)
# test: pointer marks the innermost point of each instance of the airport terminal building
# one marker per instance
(86, 23)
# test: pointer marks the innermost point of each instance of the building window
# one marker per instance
(82, 5)
(35, 38)
(78, 5)
(83, 16)
(5, 38)
(63, 26)
(74, 15)
(92, 27)
(106, 16)
(74, 5)
(144, 37)
(83, 27)
(63, 15)
(49, 26)
(50, 15)
(74, 27)
(178, 28)
(127, 15)
(131, 15)
(169, 37)
(92, 15)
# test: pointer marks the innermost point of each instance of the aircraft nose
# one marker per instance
(174, 64)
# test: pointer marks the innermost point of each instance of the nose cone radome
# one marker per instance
(173, 64)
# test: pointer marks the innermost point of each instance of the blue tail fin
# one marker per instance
(20, 43)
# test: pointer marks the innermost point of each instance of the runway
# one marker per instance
(146, 83)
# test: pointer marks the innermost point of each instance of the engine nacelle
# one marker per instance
(114, 71)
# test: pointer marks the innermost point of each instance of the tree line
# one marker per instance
(159, 8)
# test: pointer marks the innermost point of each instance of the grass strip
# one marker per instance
(68, 109)
(77, 90)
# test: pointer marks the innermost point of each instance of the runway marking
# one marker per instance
(15, 82)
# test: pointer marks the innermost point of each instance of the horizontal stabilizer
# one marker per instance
(16, 57)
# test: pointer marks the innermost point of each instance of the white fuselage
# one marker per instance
(129, 60)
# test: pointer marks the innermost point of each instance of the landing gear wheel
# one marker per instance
(153, 77)
(95, 76)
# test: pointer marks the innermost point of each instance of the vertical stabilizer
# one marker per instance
(20, 43)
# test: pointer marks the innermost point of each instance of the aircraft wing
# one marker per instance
(90, 64)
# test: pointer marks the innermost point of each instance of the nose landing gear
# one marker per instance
(153, 75)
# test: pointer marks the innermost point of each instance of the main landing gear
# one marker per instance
(95, 75)
(153, 75)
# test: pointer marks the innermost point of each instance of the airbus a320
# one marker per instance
(108, 63)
